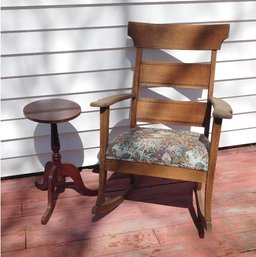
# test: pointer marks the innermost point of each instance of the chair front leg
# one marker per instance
(208, 206)
(104, 131)
(216, 130)
(101, 192)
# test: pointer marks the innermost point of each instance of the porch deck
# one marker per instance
(157, 219)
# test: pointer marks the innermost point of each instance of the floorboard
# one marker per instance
(158, 217)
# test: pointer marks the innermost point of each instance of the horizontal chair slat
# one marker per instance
(178, 36)
(175, 112)
(157, 74)
(153, 169)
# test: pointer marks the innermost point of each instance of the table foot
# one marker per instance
(44, 185)
(52, 181)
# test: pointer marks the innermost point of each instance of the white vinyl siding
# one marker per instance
(79, 50)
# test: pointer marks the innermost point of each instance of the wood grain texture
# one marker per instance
(182, 37)
(154, 220)
(68, 53)
(171, 112)
(167, 110)
(174, 74)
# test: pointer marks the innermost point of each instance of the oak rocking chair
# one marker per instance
(164, 152)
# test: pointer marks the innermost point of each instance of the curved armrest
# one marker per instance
(221, 108)
(107, 101)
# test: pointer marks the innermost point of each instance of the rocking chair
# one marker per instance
(166, 152)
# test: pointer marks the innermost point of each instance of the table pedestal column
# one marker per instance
(54, 176)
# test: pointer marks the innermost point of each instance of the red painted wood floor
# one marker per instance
(157, 219)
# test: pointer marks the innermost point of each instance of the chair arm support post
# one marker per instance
(221, 109)
(104, 105)
(104, 131)
(110, 100)
(214, 144)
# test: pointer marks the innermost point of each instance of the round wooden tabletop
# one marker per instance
(52, 110)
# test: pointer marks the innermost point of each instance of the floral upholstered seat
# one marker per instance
(169, 147)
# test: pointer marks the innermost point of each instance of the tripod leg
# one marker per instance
(70, 170)
(53, 175)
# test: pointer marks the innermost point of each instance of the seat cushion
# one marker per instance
(177, 148)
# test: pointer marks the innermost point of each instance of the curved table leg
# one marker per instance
(44, 185)
(70, 170)
(52, 181)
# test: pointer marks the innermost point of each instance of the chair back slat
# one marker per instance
(178, 36)
(151, 71)
(158, 74)
(171, 112)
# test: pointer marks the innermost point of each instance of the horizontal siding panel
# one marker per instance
(237, 51)
(91, 61)
(33, 164)
(87, 82)
(21, 129)
(119, 15)
(240, 121)
(24, 129)
(243, 30)
(61, 41)
(109, 82)
(38, 3)
(235, 70)
(238, 137)
(243, 104)
(18, 129)
(100, 38)
(66, 63)
(223, 89)
(40, 145)
(229, 52)
(232, 88)
(13, 109)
